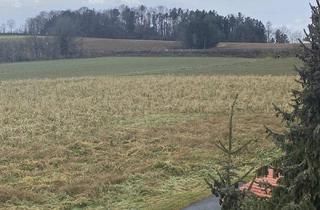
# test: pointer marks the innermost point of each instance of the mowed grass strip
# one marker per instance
(146, 66)
(142, 142)
(12, 37)
(243, 45)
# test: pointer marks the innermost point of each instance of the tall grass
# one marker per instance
(124, 142)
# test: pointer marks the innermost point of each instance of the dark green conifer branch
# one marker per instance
(227, 186)
(300, 187)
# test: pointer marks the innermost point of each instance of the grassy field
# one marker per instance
(125, 142)
(103, 44)
(124, 66)
(238, 45)
(11, 37)
(115, 45)
(129, 133)
(98, 47)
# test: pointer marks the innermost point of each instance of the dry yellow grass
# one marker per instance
(124, 142)
(97, 45)
(239, 45)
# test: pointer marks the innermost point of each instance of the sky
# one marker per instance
(295, 14)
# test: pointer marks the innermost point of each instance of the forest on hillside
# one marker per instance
(197, 29)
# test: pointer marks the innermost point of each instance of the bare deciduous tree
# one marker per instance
(11, 24)
(64, 31)
(281, 35)
(269, 31)
(295, 36)
(3, 28)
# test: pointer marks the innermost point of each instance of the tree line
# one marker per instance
(197, 29)
(55, 34)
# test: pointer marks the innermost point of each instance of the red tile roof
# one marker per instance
(262, 186)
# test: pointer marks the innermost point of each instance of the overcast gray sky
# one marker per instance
(294, 14)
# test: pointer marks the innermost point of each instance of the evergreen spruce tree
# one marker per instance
(227, 186)
(300, 187)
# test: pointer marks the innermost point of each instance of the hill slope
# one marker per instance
(146, 66)
(117, 45)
